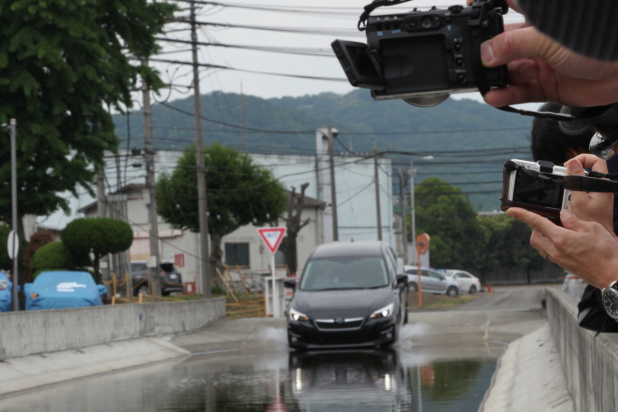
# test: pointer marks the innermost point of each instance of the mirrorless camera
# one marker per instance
(423, 57)
(535, 186)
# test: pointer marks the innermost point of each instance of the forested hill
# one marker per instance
(469, 140)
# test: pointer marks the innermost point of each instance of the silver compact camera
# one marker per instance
(535, 186)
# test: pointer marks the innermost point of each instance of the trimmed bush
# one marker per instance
(53, 256)
(98, 236)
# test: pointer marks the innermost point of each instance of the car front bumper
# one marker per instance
(316, 335)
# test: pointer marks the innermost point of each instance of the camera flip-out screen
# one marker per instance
(358, 64)
(534, 191)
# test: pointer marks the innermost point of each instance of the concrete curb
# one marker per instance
(530, 377)
(30, 372)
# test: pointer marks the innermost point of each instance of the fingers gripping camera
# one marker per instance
(545, 189)
(535, 186)
(424, 56)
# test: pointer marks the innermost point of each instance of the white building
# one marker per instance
(355, 194)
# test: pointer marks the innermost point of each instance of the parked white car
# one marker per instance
(468, 283)
(431, 281)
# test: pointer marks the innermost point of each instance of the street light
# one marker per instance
(412, 173)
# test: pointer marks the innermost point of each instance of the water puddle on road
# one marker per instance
(411, 376)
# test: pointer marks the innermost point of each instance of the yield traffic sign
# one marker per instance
(272, 236)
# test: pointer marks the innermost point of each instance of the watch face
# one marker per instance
(610, 302)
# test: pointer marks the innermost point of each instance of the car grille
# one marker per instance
(339, 323)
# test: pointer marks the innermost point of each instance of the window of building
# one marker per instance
(237, 254)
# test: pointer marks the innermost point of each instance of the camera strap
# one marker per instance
(362, 20)
(594, 182)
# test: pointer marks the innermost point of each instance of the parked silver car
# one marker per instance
(431, 281)
(468, 283)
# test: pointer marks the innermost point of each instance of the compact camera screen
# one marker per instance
(533, 191)
(535, 186)
(424, 56)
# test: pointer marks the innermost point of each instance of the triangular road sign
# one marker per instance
(272, 236)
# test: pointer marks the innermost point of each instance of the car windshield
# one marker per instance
(167, 267)
(138, 267)
(359, 272)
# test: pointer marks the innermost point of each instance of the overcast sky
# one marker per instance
(322, 20)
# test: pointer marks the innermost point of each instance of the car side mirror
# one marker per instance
(442, 277)
(290, 283)
(402, 280)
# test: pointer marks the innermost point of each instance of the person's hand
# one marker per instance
(542, 70)
(583, 248)
(591, 206)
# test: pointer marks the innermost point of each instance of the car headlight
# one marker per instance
(297, 316)
(385, 312)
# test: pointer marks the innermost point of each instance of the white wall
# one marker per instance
(354, 179)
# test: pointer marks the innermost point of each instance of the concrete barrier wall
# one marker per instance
(43, 331)
(590, 361)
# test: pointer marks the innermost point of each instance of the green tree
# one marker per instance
(63, 66)
(5, 261)
(449, 218)
(523, 255)
(98, 236)
(38, 239)
(56, 256)
(497, 243)
(239, 192)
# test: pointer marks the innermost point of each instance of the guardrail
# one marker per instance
(43, 331)
(589, 361)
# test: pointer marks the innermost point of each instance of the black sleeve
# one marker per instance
(590, 31)
(592, 314)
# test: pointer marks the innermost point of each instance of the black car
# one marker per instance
(361, 379)
(171, 279)
(349, 295)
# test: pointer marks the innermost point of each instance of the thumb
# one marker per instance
(575, 167)
(516, 44)
(569, 220)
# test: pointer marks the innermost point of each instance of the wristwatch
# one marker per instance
(610, 299)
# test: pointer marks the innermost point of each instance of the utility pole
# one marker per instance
(101, 200)
(201, 172)
(377, 184)
(155, 278)
(412, 173)
(242, 121)
(14, 216)
(404, 228)
(333, 191)
(102, 212)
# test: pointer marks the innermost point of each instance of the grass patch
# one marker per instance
(450, 302)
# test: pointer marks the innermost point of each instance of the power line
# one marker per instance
(300, 30)
(318, 52)
(214, 66)
(343, 11)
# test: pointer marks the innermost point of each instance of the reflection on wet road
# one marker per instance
(409, 377)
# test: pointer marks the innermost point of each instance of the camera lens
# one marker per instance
(427, 100)
(426, 22)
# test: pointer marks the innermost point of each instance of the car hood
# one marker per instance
(342, 303)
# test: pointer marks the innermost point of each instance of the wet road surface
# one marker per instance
(443, 362)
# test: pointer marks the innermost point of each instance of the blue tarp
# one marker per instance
(6, 290)
(63, 289)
